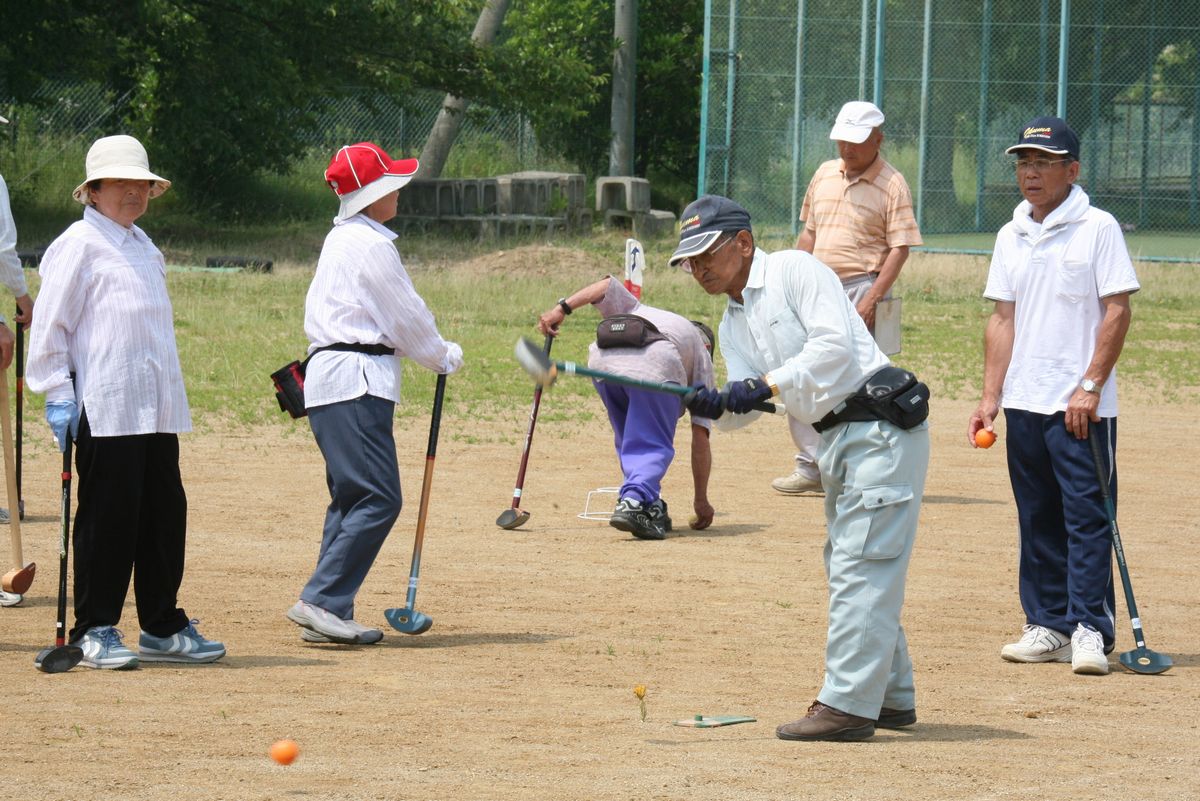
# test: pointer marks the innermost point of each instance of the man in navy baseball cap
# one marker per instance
(1049, 135)
(703, 222)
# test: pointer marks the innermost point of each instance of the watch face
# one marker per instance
(1088, 385)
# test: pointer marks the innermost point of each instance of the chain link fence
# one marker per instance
(956, 79)
(69, 115)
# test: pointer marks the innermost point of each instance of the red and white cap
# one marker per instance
(363, 173)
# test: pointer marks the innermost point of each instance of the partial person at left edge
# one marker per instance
(102, 349)
(13, 277)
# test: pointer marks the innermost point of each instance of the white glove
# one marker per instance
(453, 360)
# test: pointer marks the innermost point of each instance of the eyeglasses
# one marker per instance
(687, 264)
(1037, 165)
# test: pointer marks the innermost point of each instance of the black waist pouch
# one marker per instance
(627, 331)
(289, 379)
(893, 394)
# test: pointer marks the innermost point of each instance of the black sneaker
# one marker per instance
(658, 511)
(631, 516)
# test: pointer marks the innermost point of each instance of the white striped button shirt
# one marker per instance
(361, 293)
(103, 312)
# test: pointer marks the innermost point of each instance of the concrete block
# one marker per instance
(654, 224)
(622, 193)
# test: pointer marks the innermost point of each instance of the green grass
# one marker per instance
(234, 329)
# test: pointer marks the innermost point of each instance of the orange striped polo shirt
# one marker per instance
(857, 222)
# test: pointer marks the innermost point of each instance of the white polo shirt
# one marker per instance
(1056, 273)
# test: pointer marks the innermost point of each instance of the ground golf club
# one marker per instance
(21, 576)
(61, 657)
(408, 619)
(1141, 659)
(515, 516)
(19, 365)
(545, 372)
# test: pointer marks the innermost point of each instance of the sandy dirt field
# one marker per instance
(523, 689)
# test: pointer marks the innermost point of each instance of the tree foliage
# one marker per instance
(226, 89)
(667, 93)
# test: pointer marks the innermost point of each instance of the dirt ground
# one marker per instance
(523, 688)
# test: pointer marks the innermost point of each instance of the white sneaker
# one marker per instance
(1087, 652)
(10, 598)
(1038, 644)
(328, 625)
(798, 483)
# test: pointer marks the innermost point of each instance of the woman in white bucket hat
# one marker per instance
(361, 314)
(103, 350)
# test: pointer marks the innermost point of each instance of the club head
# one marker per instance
(58, 659)
(512, 518)
(1143, 660)
(19, 580)
(408, 621)
(534, 361)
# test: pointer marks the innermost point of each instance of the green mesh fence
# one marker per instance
(956, 79)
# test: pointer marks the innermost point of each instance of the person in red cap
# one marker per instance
(361, 314)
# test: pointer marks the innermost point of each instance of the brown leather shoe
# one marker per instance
(895, 718)
(826, 723)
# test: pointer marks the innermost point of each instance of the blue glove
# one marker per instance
(704, 402)
(63, 416)
(741, 396)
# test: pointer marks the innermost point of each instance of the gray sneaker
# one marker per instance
(10, 598)
(1038, 644)
(326, 624)
(366, 636)
(103, 649)
(187, 645)
(631, 516)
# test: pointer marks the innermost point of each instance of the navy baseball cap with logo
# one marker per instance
(703, 222)
(1049, 135)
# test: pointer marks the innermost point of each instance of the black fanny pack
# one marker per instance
(627, 331)
(289, 379)
(893, 394)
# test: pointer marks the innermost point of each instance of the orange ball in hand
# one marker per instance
(984, 438)
(284, 751)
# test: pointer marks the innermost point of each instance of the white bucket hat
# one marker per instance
(119, 156)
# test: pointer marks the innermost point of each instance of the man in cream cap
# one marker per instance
(858, 220)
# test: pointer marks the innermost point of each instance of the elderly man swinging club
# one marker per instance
(790, 330)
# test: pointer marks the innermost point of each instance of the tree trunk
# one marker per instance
(445, 129)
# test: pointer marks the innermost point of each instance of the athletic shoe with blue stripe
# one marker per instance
(186, 645)
(103, 649)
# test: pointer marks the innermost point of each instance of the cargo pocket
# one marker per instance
(879, 532)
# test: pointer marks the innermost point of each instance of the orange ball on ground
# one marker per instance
(984, 438)
(284, 751)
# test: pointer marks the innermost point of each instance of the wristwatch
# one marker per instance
(1088, 385)
(566, 307)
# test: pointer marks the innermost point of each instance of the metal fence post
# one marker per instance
(798, 117)
(1064, 46)
(923, 143)
(985, 62)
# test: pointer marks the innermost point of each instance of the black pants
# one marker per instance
(132, 514)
